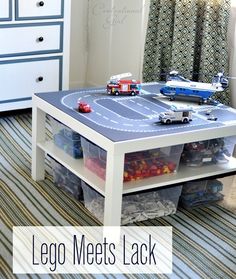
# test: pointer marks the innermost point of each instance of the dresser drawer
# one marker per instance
(18, 39)
(36, 9)
(21, 78)
(5, 10)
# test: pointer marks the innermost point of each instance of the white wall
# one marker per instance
(115, 38)
(79, 46)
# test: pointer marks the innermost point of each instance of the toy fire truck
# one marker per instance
(118, 86)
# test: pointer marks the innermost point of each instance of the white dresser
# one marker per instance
(34, 49)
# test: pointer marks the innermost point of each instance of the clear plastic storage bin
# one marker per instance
(213, 151)
(94, 158)
(137, 165)
(154, 162)
(135, 207)
(201, 192)
(66, 139)
(66, 180)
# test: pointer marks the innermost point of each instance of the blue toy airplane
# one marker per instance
(179, 87)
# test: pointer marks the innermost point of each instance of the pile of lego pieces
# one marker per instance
(144, 164)
(138, 207)
(137, 165)
(196, 193)
(66, 139)
(96, 166)
(66, 180)
(69, 142)
(212, 151)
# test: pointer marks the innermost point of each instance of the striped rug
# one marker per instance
(204, 242)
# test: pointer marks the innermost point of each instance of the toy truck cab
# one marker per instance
(176, 115)
(117, 86)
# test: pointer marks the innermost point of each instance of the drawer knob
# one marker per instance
(41, 4)
(40, 39)
(40, 79)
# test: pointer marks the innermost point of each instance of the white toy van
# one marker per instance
(182, 115)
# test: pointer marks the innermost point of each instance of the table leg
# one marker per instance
(38, 134)
(113, 189)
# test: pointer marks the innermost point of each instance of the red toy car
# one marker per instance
(83, 107)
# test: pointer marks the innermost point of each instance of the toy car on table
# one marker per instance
(175, 115)
(118, 86)
(212, 117)
(83, 107)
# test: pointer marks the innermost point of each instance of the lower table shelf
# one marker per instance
(184, 173)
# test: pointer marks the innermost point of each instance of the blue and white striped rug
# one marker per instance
(204, 243)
